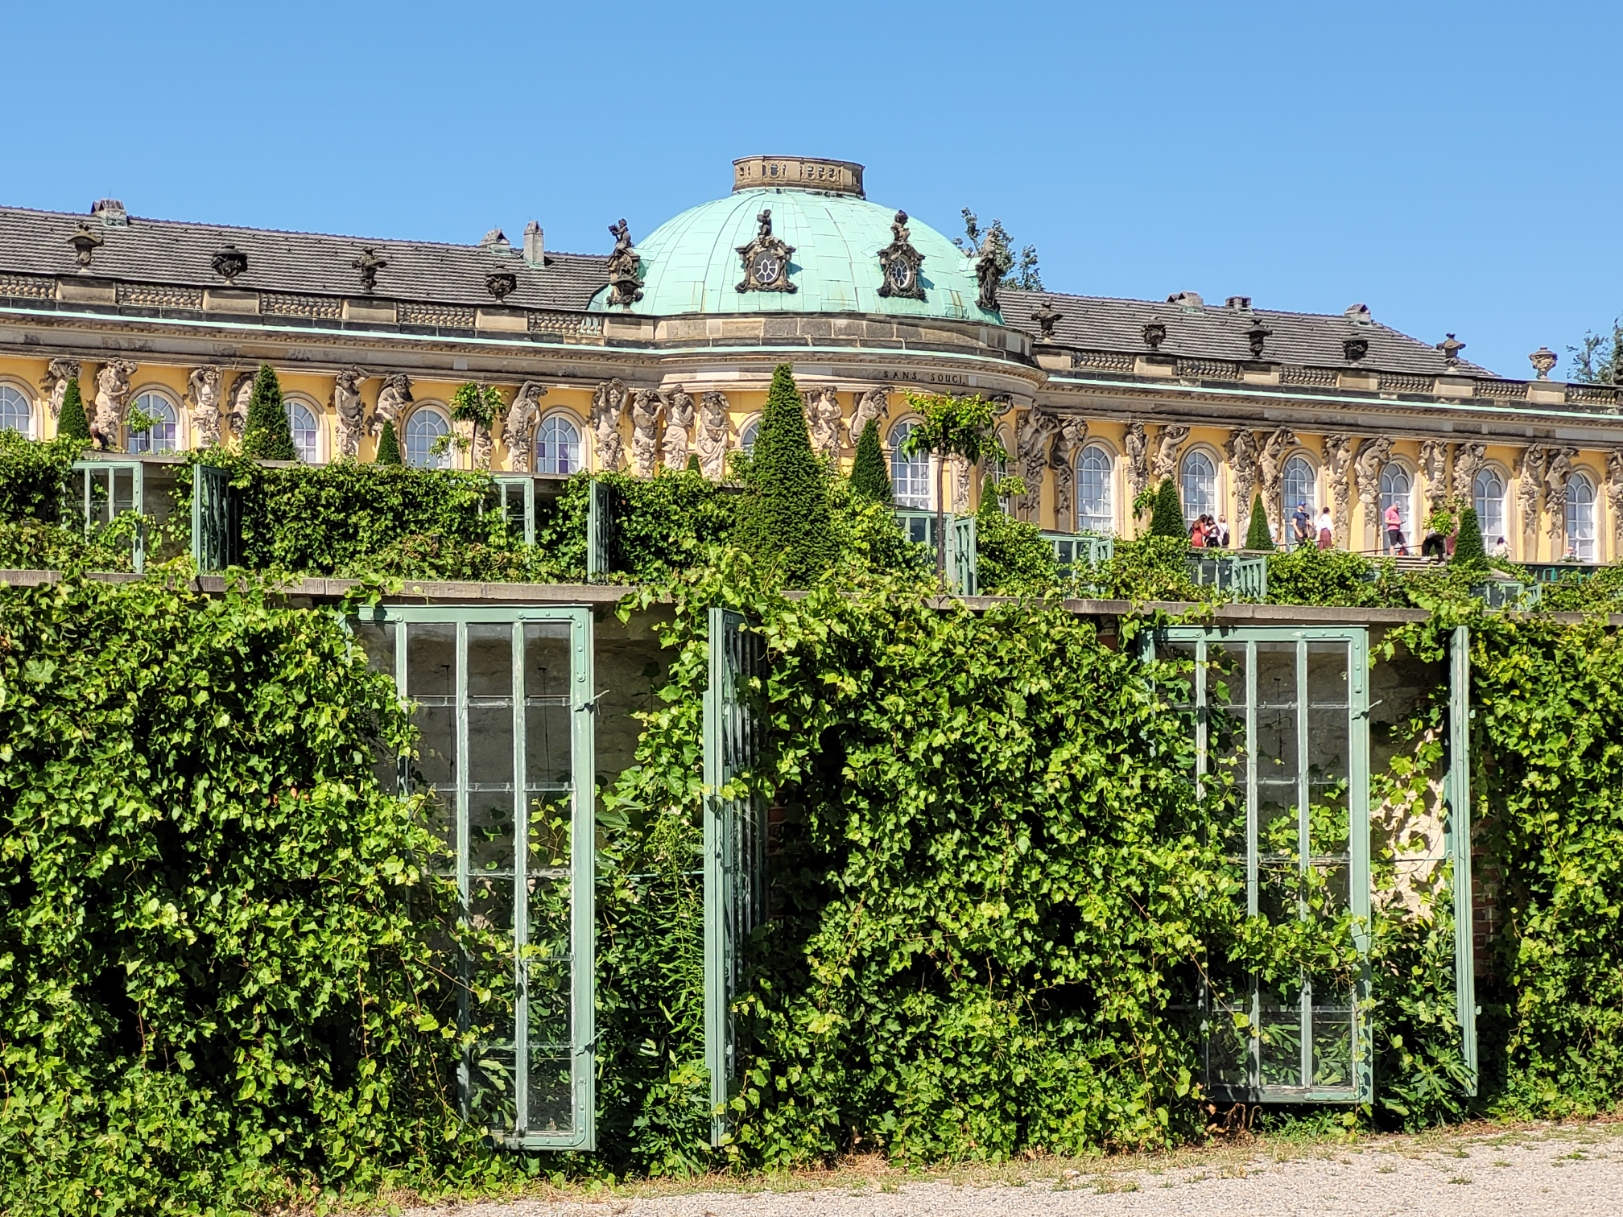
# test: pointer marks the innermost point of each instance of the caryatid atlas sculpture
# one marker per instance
(714, 435)
(112, 398)
(873, 405)
(54, 384)
(1037, 429)
(823, 420)
(1338, 455)
(647, 406)
(236, 403)
(1241, 449)
(1367, 467)
(608, 405)
(678, 438)
(518, 429)
(350, 409)
(1137, 446)
(203, 395)
(1168, 440)
(393, 399)
(1271, 465)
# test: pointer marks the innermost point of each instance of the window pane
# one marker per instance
(1489, 497)
(1397, 490)
(15, 414)
(1094, 508)
(909, 475)
(422, 429)
(1301, 485)
(302, 423)
(1199, 485)
(1580, 518)
(161, 436)
(557, 446)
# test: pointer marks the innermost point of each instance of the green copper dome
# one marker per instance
(692, 264)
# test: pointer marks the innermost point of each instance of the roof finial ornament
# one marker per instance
(1451, 348)
(766, 259)
(229, 263)
(1257, 336)
(1155, 333)
(85, 242)
(369, 264)
(501, 283)
(1354, 348)
(1047, 316)
(899, 262)
(625, 268)
(1543, 360)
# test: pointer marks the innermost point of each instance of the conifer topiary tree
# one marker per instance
(1257, 535)
(988, 506)
(388, 446)
(1166, 517)
(1468, 549)
(74, 421)
(266, 436)
(785, 522)
(869, 476)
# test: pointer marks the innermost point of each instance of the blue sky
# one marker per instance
(1455, 166)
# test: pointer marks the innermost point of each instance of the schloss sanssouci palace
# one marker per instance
(662, 349)
(1100, 813)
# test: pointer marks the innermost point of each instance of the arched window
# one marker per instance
(1488, 497)
(422, 429)
(161, 437)
(1581, 518)
(909, 475)
(557, 446)
(1397, 490)
(1300, 485)
(1095, 511)
(751, 433)
(15, 414)
(1199, 483)
(301, 420)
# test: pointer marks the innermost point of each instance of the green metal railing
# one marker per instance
(962, 565)
(1243, 575)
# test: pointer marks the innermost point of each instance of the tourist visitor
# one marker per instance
(1501, 548)
(1301, 527)
(1394, 531)
(1326, 529)
(1221, 539)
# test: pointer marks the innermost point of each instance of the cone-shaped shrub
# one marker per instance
(1468, 550)
(785, 522)
(869, 476)
(388, 446)
(266, 435)
(1257, 536)
(1166, 517)
(74, 421)
(988, 506)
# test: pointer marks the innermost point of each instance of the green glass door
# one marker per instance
(1283, 714)
(503, 701)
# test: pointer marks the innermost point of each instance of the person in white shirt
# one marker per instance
(1326, 530)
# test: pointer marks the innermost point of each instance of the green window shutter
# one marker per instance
(515, 496)
(599, 532)
(734, 846)
(216, 520)
(961, 557)
(503, 698)
(108, 489)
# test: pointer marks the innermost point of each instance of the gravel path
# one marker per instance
(1529, 1173)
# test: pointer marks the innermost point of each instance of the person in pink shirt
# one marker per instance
(1394, 531)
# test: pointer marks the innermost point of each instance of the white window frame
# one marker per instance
(1405, 504)
(289, 400)
(1212, 494)
(1491, 535)
(1102, 521)
(565, 417)
(749, 434)
(1295, 461)
(445, 460)
(168, 399)
(1582, 536)
(30, 413)
(918, 467)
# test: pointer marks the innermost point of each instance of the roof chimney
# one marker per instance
(1240, 304)
(1189, 300)
(535, 246)
(110, 212)
(495, 240)
(1358, 314)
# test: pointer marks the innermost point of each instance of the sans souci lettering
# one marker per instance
(961, 379)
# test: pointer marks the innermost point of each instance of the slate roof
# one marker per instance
(181, 253)
(174, 252)
(1215, 331)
